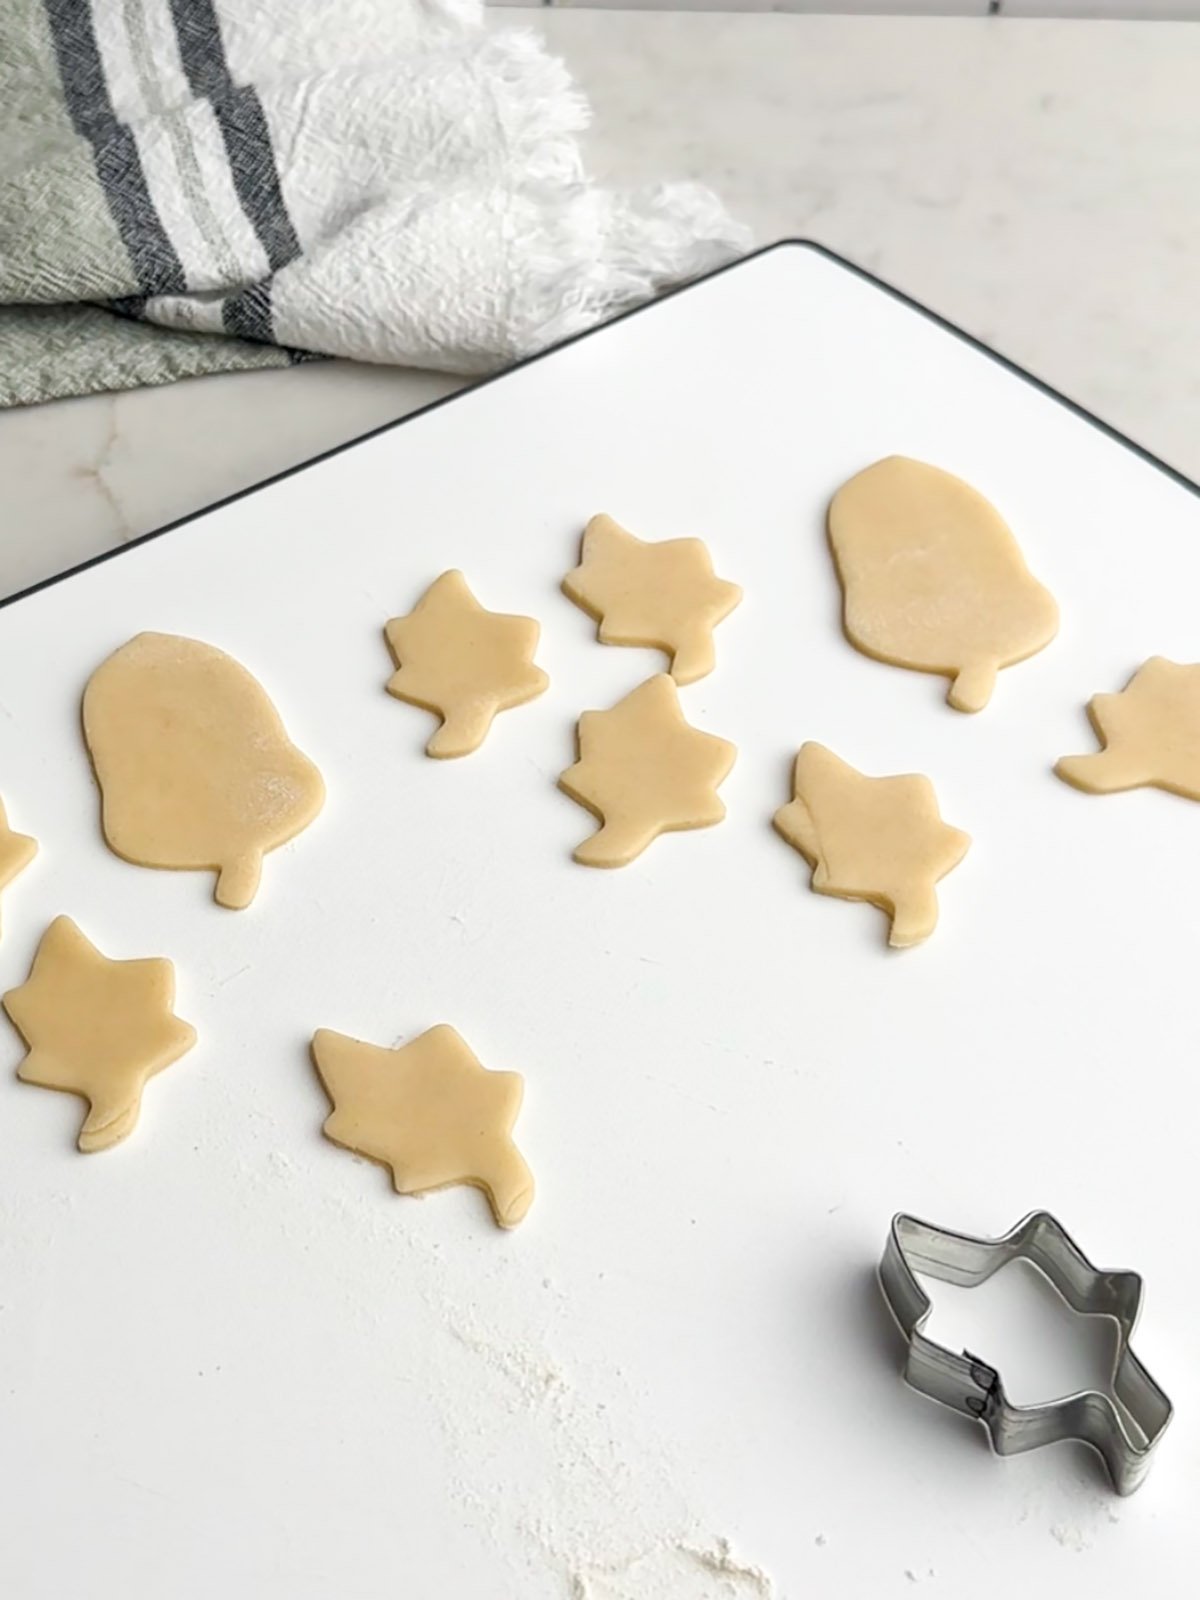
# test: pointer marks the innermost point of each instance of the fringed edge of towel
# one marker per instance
(601, 252)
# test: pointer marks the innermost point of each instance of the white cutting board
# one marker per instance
(232, 1361)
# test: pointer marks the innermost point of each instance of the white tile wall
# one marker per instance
(1148, 10)
(925, 8)
(1145, 10)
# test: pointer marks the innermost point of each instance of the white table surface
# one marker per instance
(232, 1361)
(1034, 181)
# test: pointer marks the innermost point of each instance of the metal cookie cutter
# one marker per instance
(1124, 1434)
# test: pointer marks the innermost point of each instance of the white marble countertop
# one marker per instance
(1035, 182)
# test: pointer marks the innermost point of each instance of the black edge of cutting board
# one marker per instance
(592, 333)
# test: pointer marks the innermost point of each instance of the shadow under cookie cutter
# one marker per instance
(1124, 1435)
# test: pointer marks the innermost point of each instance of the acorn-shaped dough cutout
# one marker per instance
(1150, 733)
(195, 769)
(933, 579)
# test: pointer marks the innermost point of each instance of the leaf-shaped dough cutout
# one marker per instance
(17, 850)
(665, 595)
(933, 579)
(463, 662)
(194, 767)
(97, 1028)
(429, 1110)
(644, 770)
(1150, 733)
(876, 839)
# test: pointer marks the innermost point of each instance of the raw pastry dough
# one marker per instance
(644, 770)
(876, 839)
(933, 579)
(463, 662)
(17, 850)
(194, 766)
(1150, 733)
(662, 595)
(97, 1028)
(429, 1111)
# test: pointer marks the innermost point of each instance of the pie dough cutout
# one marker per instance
(933, 579)
(17, 850)
(463, 662)
(1150, 733)
(664, 596)
(876, 839)
(429, 1111)
(644, 770)
(194, 767)
(97, 1028)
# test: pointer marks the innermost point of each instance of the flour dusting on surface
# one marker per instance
(713, 1573)
(586, 1496)
(1070, 1537)
(551, 1463)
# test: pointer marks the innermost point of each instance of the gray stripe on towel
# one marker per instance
(247, 314)
(118, 165)
(179, 132)
(243, 126)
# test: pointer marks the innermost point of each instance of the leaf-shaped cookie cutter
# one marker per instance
(1124, 1434)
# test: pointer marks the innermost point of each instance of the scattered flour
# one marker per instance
(555, 1471)
(577, 1485)
(675, 1570)
(1070, 1537)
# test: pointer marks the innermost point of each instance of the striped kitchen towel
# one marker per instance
(192, 186)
